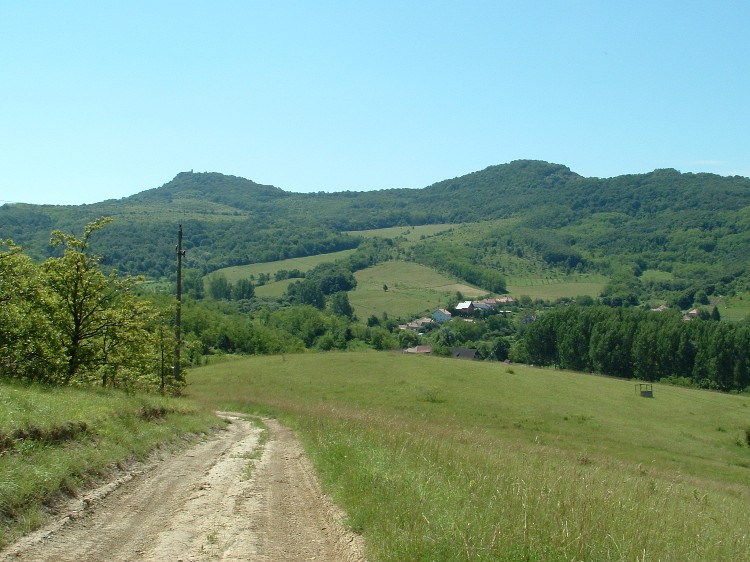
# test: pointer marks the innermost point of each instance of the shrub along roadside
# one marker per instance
(55, 441)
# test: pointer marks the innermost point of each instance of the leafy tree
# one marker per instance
(306, 291)
(99, 319)
(219, 288)
(305, 322)
(30, 345)
(332, 277)
(243, 290)
(407, 338)
(340, 305)
(382, 339)
(192, 283)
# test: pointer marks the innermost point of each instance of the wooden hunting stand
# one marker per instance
(646, 389)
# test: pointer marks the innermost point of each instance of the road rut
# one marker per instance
(204, 504)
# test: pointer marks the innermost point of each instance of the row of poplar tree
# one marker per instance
(642, 344)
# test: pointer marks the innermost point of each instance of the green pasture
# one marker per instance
(443, 459)
(273, 289)
(556, 287)
(235, 273)
(413, 289)
(735, 308)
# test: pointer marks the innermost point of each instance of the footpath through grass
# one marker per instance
(56, 441)
(441, 459)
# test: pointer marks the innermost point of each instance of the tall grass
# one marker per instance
(529, 465)
(55, 441)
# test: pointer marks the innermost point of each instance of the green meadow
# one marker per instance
(413, 289)
(556, 287)
(442, 459)
(734, 308)
(274, 289)
(235, 273)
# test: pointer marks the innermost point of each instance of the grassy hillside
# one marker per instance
(55, 441)
(556, 287)
(413, 289)
(528, 215)
(441, 459)
(235, 273)
(734, 308)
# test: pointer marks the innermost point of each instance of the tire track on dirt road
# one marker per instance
(202, 504)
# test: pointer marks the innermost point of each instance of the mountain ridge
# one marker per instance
(231, 220)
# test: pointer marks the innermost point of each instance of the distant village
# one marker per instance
(466, 311)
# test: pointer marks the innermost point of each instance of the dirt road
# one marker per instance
(204, 504)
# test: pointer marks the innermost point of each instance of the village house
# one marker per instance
(416, 324)
(482, 307)
(419, 349)
(464, 353)
(690, 315)
(441, 316)
(465, 307)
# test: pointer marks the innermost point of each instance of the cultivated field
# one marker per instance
(441, 459)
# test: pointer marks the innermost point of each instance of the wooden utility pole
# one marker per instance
(178, 322)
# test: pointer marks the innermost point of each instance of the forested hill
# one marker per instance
(212, 188)
(230, 220)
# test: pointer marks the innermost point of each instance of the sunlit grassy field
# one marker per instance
(552, 288)
(275, 289)
(442, 459)
(734, 308)
(413, 289)
(235, 273)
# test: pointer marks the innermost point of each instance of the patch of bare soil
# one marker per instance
(204, 504)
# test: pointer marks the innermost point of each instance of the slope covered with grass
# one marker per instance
(441, 459)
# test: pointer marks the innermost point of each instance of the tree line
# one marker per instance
(642, 344)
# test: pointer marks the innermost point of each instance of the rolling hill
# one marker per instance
(694, 227)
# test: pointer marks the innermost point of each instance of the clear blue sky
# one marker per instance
(103, 99)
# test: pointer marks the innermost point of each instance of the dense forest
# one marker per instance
(647, 345)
